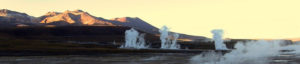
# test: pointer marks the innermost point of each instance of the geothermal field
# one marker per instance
(139, 52)
(208, 32)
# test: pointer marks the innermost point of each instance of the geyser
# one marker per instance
(166, 41)
(251, 52)
(134, 40)
(217, 37)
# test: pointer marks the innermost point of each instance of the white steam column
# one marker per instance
(134, 40)
(218, 34)
(166, 41)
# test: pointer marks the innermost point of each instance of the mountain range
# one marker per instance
(9, 18)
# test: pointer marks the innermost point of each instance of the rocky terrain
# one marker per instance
(10, 18)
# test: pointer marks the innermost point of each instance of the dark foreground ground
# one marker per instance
(153, 58)
(125, 58)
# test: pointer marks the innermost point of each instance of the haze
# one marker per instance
(267, 19)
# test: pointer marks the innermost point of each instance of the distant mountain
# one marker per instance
(294, 39)
(135, 23)
(78, 18)
(13, 18)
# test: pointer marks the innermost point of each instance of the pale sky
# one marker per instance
(268, 19)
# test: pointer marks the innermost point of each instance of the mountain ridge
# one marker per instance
(82, 18)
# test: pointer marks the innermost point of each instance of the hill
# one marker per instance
(10, 18)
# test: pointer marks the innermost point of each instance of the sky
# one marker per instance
(254, 19)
